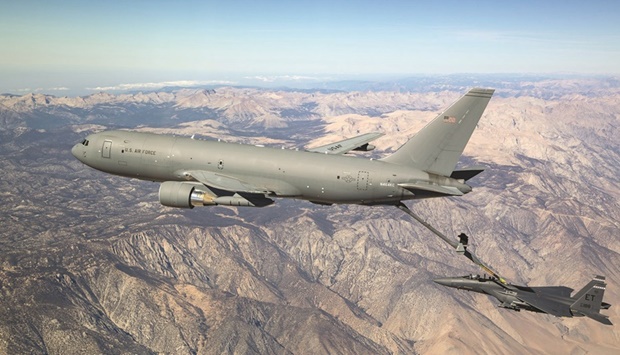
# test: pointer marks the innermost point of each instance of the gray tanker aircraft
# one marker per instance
(554, 300)
(196, 172)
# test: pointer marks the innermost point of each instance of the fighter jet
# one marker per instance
(554, 300)
(196, 172)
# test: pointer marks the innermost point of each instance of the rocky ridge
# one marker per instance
(92, 263)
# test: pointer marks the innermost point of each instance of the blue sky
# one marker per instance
(47, 45)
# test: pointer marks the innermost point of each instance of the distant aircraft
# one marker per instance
(554, 300)
(203, 173)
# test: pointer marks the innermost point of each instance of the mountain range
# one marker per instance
(92, 263)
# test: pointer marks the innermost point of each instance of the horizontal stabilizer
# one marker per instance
(599, 318)
(422, 187)
(466, 174)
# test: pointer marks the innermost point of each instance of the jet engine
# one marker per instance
(365, 148)
(185, 194)
(192, 194)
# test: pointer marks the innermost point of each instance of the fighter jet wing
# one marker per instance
(545, 305)
(561, 291)
(347, 145)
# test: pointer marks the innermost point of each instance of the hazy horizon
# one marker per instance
(71, 87)
(70, 47)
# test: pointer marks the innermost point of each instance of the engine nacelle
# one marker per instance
(365, 148)
(185, 194)
(192, 194)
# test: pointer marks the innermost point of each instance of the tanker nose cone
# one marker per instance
(78, 152)
(444, 282)
(74, 151)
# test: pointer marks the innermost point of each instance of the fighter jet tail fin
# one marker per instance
(589, 299)
(438, 146)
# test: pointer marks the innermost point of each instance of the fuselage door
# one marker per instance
(362, 180)
(107, 148)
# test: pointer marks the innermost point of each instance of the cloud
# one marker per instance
(271, 79)
(157, 85)
(58, 88)
(26, 90)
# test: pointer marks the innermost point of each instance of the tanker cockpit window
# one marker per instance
(85, 142)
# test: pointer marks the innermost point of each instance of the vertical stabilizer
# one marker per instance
(588, 300)
(596, 280)
(439, 145)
